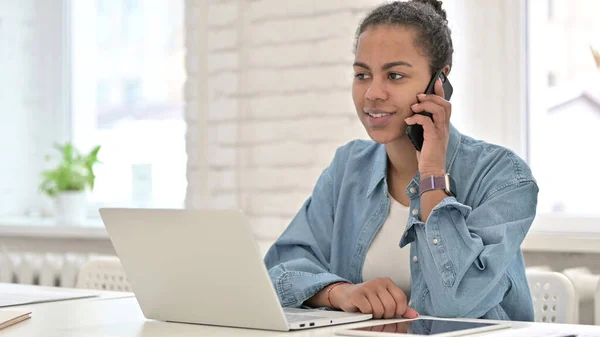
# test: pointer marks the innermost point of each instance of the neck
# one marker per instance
(402, 156)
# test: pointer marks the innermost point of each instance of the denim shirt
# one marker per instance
(466, 259)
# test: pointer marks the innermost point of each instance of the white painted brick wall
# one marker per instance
(278, 103)
(222, 39)
(278, 91)
(223, 13)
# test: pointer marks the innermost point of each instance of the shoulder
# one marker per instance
(496, 156)
(490, 167)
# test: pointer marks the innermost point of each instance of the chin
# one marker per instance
(392, 131)
(383, 136)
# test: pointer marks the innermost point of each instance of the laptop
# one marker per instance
(203, 267)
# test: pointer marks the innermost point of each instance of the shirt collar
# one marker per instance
(379, 168)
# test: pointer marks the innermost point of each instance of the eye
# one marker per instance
(395, 76)
(361, 76)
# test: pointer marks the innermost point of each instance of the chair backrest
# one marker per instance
(103, 273)
(585, 284)
(554, 297)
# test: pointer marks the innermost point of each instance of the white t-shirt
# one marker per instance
(385, 258)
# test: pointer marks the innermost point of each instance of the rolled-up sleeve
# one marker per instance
(298, 262)
(464, 253)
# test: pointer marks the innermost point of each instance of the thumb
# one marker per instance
(410, 313)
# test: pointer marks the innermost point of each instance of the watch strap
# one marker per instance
(432, 183)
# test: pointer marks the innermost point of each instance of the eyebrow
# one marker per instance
(385, 66)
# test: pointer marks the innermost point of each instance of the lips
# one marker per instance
(378, 118)
(376, 113)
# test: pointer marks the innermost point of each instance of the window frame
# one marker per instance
(545, 223)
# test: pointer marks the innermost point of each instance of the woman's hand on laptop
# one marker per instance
(380, 297)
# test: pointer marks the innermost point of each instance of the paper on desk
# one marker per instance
(13, 294)
(559, 330)
(10, 317)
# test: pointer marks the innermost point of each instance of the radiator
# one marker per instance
(45, 269)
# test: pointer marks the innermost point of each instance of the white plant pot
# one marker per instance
(70, 208)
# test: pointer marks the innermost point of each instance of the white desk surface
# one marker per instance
(122, 317)
(100, 294)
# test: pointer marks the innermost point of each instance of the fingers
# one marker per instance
(399, 298)
(438, 100)
(410, 313)
(378, 309)
(361, 302)
(389, 304)
(426, 122)
(440, 117)
(381, 298)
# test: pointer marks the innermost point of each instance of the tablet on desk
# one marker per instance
(424, 327)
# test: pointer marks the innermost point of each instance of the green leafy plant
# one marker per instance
(75, 171)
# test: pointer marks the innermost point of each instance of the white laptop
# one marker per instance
(203, 267)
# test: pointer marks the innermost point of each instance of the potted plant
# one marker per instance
(69, 182)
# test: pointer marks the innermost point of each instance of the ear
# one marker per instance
(447, 70)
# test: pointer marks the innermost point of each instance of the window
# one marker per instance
(127, 95)
(564, 105)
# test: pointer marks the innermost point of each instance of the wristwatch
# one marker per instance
(444, 182)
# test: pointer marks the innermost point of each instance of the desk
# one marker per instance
(99, 294)
(123, 317)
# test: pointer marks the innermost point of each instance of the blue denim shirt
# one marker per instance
(469, 262)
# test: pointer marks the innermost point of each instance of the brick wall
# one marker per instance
(278, 103)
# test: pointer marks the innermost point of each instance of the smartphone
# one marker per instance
(415, 132)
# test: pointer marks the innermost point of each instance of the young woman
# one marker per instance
(393, 231)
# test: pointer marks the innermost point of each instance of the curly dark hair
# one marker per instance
(429, 20)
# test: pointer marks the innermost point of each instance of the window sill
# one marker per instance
(47, 228)
(538, 241)
(563, 233)
(542, 238)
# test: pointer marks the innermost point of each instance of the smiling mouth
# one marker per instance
(378, 113)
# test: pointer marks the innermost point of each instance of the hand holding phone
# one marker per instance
(415, 132)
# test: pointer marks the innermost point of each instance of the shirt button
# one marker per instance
(415, 259)
(415, 211)
(410, 303)
(412, 190)
(436, 241)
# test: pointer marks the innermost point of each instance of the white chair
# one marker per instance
(103, 273)
(585, 284)
(554, 297)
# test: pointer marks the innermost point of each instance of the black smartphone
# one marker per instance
(415, 132)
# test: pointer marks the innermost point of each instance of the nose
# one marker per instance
(376, 91)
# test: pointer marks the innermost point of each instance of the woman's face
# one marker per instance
(389, 73)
